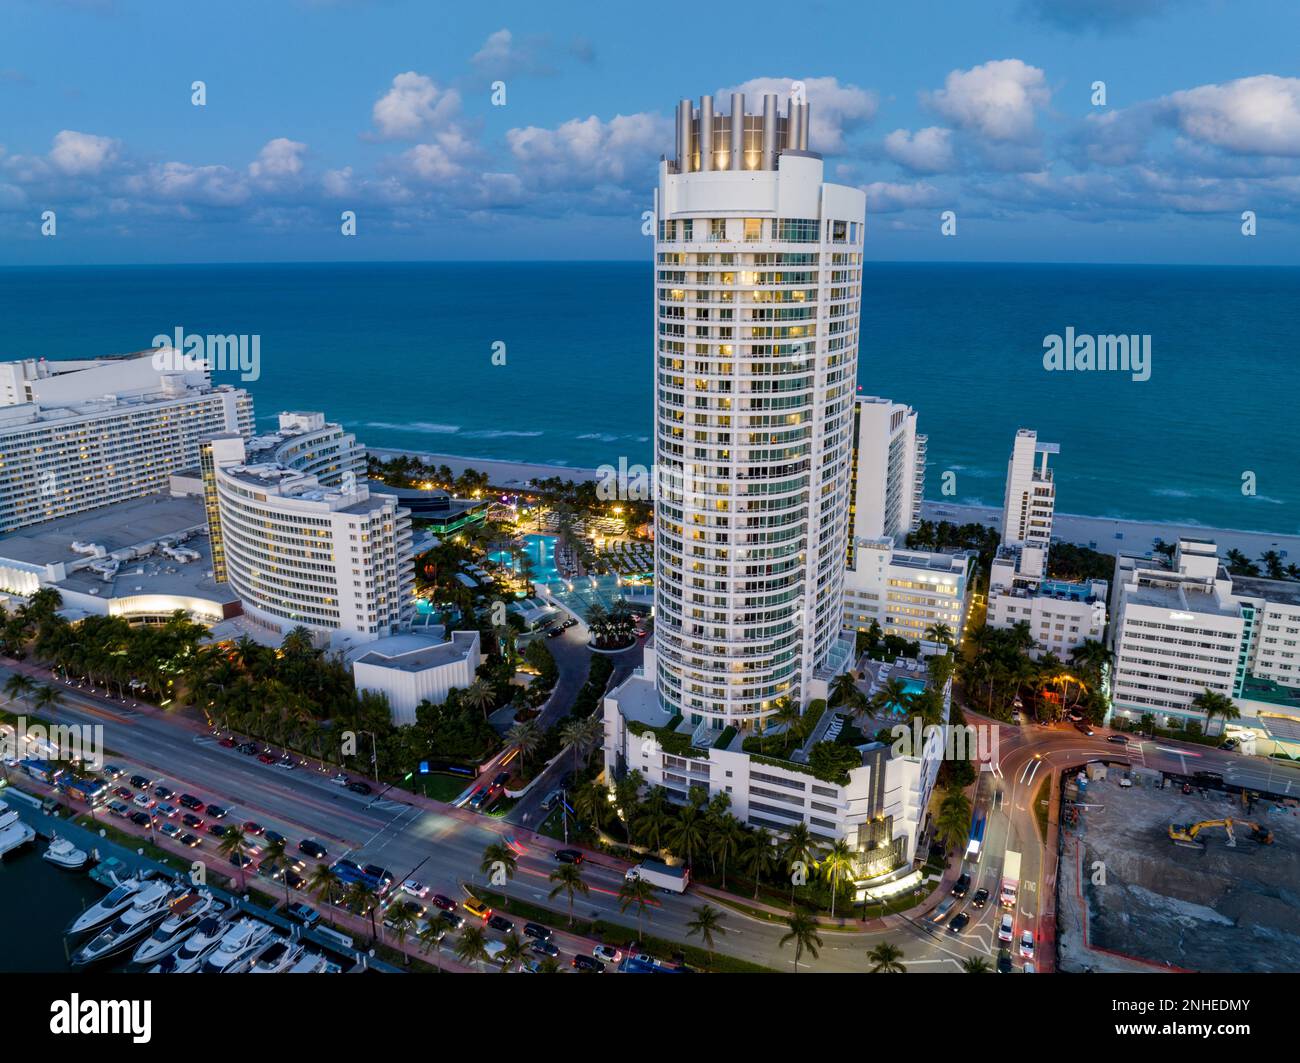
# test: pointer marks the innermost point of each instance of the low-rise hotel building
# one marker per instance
(907, 592)
(417, 666)
(76, 435)
(302, 538)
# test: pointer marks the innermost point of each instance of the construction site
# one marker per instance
(1161, 873)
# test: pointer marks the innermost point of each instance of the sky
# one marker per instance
(991, 110)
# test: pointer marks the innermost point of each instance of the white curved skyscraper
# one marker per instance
(758, 293)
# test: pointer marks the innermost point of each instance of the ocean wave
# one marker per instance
(498, 433)
(428, 427)
(603, 437)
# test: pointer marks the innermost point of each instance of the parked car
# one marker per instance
(191, 802)
(124, 792)
(266, 758)
(607, 953)
(248, 749)
(340, 779)
(218, 830)
(286, 761)
(191, 840)
(192, 821)
(452, 919)
(142, 801)
(141, 782)
(476, 908)
(359, 787)
(252, 827)
(415, 888)
(163, 793)
(168, 811)
(170, 829)
(546, 948)
(217, 812)
(443, 902)
(119, 808)
(587, 964)
(226, 743)
(303, 914)
(501, 923)
(141, 819)
(112, 772)
(537, 931)
(274, 836)
(312, 848)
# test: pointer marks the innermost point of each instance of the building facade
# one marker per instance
(757, 296)
(907, 592)
(78, 435)
(888, 471)
(410, 668)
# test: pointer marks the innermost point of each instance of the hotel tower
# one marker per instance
(758, 283)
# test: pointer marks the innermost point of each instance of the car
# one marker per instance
(1228, 743)
(452, 919)
(499, 783)
(1084, 728)
(415, 888)
(124, 792)
(1005, 929)
(478, 800)
(312, 848)
(163, 793)
(142, 801)
(443, 902)
(476, 908)
(1004, 962)
(587, 964)
(347, 867)
(141, 782)
(607, 953)
(252, 827)
(217, 812)
(119, 808)
(226, 743)
(545, 947)
(267, 758)
(390, 915)
(190, 840)
(380, 874)
(1119, 740)
(192, 821)
(248, 749)
(285, 761)
(170, 829)
(141, 819)
(1207, 776)
(191, 802)
(501, 923)
(112, 772)
(1125, 781)
(240, 859)
(981, 898)
(550, 800)
(218, 830)
(570, 622)
(568, 856)
(340, 779)
(962, 885)
(275, 837)
(302, 913)
(958, 923)
(555, 632)
(168, 811)
(537, 931)
(359, 787)
(1027, 944)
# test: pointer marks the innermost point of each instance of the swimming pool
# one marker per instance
(540, 550)
(911, 687)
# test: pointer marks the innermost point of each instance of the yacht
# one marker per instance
(195, 948)
(118, 900)
(241, 940)
(186, 914)
(13, 831)
(315, 963)
(62, 853)
(280, 957)
(147, 910)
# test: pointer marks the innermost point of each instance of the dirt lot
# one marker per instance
(1150, 903)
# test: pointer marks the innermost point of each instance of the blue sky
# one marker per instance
(319, 106)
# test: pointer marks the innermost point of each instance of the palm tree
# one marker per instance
(525, 737)
(232, 846)
(479, 695)
(844, 687)
(568, 879)
(892, 695)
(18, 687)
(499, 854)
(760, 857)
(886, 958)
(939, 633)
(706, 922)
(975, 965)
(803, 932)
(591, 803)
(323, 884)
(725, 841)
(400, 920)
(361, 898)
(953, 822)
(799, 848)
(1213, 704)
(837, 866)
(686, 835)
(471, 946)
(514, 954)
(275, 859)
(581, 734)
(635, 891)
(429, 937)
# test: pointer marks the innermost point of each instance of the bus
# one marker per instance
(92, 792)
(976, 838)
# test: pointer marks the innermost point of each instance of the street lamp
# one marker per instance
(374, 754)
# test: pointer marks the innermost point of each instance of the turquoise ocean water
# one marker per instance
(402, 353)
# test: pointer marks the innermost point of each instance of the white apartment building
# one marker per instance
(757, 297)
(302, 538)
(906, 591)
(81, 434)
(415, 667)
(888, 470)
(1030, 497)
(880, 810)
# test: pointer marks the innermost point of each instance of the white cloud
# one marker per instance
(884, 197)
(588, 151)
(927, 150)
(834, 110)
(413, 107)
(279, 160)
(82, 153)
(997, 100)
(1250, 116)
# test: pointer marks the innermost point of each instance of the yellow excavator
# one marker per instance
(1187, 832)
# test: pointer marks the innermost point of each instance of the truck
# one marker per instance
(1010, 879)
(672, 879)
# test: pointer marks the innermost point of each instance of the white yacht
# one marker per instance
(315, 963)
(280, 957)
(149, 908)
(62, 853)
(196, 947)
(186, 914)
(119, 899)
(239, 943)
(13, 831)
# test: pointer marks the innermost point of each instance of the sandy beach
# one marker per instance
(1099, 533)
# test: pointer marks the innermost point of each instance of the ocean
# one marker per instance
(405, 354)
